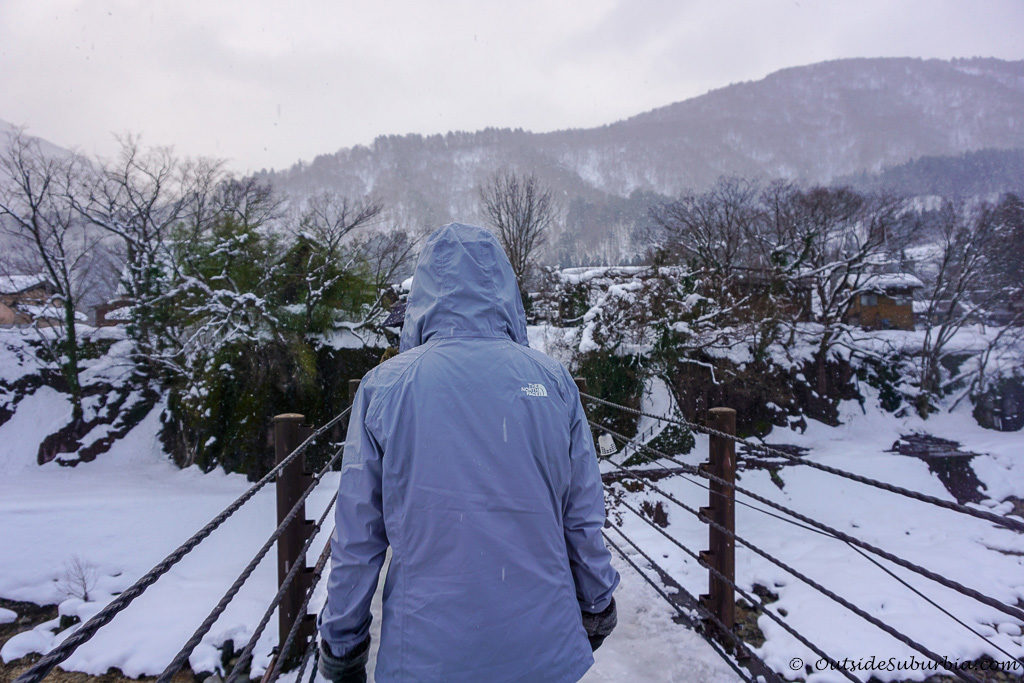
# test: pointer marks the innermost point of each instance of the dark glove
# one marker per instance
(599, 625)
(351, 668)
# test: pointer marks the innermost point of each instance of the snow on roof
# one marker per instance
(48, 312)
(887, 281)
(119, 313)
(14, 284)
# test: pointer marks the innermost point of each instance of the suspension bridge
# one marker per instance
(712, 615)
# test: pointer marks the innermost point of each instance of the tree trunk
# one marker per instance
(71, 369)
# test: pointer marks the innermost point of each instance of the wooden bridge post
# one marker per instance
(581, 384)
(289, 432)
(721, 553)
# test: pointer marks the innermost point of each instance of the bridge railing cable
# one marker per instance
(788, 520)
(310, 649)
(836, 533)
(903, 638)
(246, 655)
(754, 602)
(186, 651)
(67, 647)
(679, 610)
(318, 571)
(1006, 522)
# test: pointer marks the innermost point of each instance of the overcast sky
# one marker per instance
(264, 84)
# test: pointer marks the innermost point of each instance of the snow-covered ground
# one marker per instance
(968, 550)
(123, 513)
(120, 514)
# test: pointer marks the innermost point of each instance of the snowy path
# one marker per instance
(647, 645)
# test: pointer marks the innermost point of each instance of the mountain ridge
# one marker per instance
(811, 124)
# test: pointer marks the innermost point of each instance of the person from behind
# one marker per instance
(469, 454)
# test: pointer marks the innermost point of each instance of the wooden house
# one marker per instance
(886, 302)
(28, 299)
(114, 312)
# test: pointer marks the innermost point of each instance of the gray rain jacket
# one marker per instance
(470, 454)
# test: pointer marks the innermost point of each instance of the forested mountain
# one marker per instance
(813, 123)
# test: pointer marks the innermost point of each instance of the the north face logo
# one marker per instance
(534, 389)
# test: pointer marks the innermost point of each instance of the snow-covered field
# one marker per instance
(122, 513)
(965, 549)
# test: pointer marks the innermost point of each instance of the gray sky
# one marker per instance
(264, 84)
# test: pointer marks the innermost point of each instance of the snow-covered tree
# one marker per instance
(50, 241)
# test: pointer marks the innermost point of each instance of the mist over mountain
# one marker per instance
(811, 124)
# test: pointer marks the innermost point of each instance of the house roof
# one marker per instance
(48, 312)
(15, 284)
(888, 281)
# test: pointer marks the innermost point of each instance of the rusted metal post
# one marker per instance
(289, 432)
(721, 553)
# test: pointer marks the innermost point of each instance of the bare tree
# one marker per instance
(385, 254)
(78, 579)
(140, 198)
(521, 211)
(956, 290)
(842, 235)
(36, 212)
(712, 232)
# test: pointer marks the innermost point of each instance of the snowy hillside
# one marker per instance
(812, 123)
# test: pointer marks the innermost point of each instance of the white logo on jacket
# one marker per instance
(534, 389)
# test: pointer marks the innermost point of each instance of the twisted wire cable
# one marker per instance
(892, 488)
(186, 650)
(318, 570)
(243, 659)
(305, 660)
(40, 669)
(803, 577)
(682, 614)
(749, 598)
(853, 548)
(907, 564)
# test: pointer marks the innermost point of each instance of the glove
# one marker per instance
(350, 668)
(599, 625)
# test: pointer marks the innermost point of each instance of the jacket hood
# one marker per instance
(463, 285)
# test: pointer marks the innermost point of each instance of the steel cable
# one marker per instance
(746, 596)
(305, 660)
(907, 564)
(191, 644)
(892, 488)
(809, 581)
(676, 607)
(318, 570)
(58, 654)
(851, 546)
(246, 655)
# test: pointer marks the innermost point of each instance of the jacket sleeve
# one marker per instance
(584, 515)
(359, 542)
